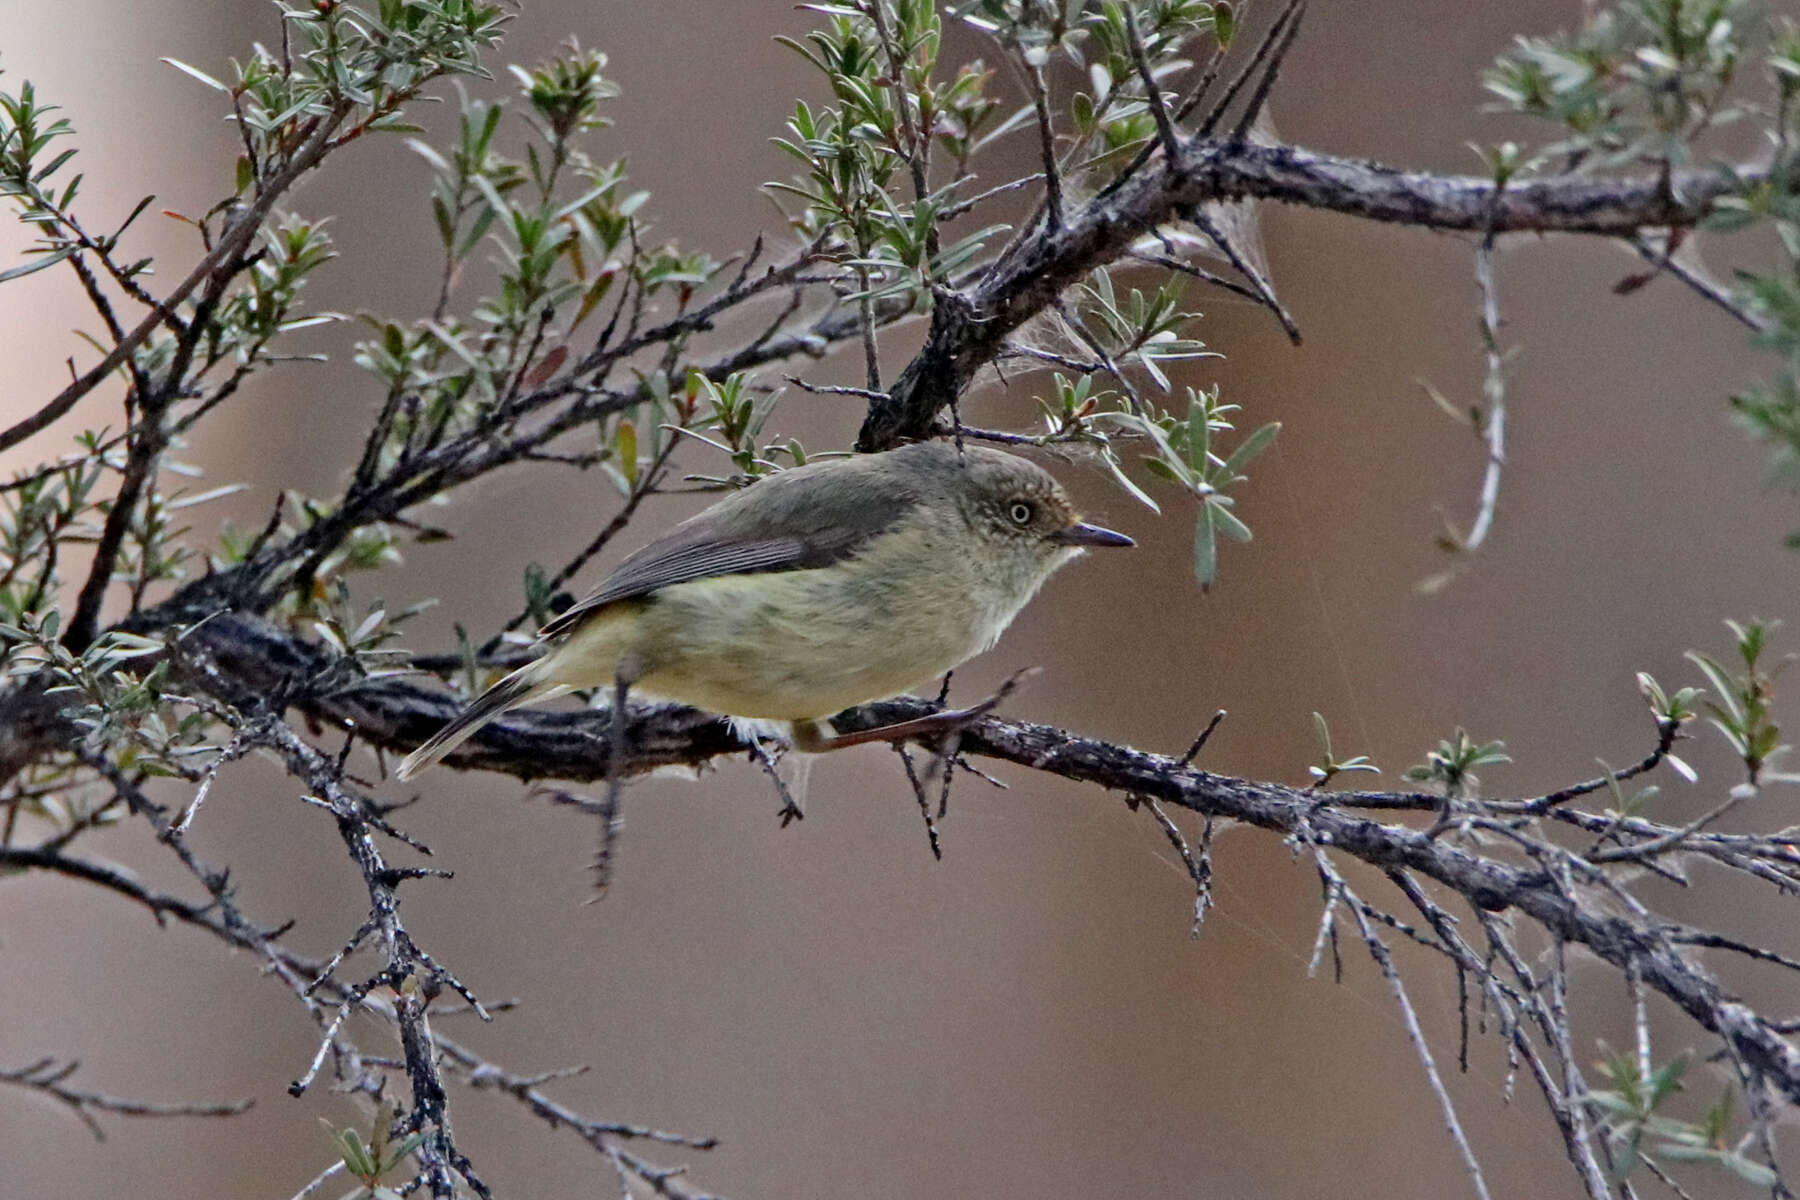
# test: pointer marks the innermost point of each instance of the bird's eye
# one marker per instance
(1021, 512)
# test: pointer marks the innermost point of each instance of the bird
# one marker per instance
(813, 590)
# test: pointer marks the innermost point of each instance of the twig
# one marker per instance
(1053, 192)
(483, 1075)
(49, 1077)
(1204, 276)
(236, 238)
(824, 389)
(1165, 128)
(790, 811)
(1199, 866)
(950, 212)
(1199, 743)
(1261, 290)
(1081, 331)
(1666, 733)
(318, 1181)
(917, 151)
(234, 749)
(1270, 42)
(918, 790)
(1494, 389)
(1662, 258)
(1258, 98)
(1384, 960)
(1643, 851)
(1016, 350)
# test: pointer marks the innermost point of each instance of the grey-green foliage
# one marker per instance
(1330, 766)
(1451, 766)
(1741, 707)
(341, 69)
(1649, 83)
(887, 168)
(370, 1161)
(1638, 1131)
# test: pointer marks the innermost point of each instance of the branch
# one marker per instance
(395, 713)
(969, 326)
(49, 1077)
(242, 228)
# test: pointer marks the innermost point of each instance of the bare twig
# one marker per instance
(1662, 258)
(1053, 191)
(1384, 960)
(1199, 742)
(50, 1078)
(1281, 44)
(1199, 866)
(1260, 289)
(1165, 128)
(1494, 393)
(1271, 43)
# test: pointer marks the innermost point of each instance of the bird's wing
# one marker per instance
(804, 517)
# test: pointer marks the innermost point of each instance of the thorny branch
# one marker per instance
(1500, 860)
(965, 335)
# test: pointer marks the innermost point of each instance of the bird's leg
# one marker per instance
(790, 810)
(615, 782)
(811, 737)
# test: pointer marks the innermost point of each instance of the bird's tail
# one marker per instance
(523, 686)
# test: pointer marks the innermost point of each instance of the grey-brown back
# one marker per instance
(810, 516)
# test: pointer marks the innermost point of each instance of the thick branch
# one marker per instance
(258, 656)
(968, 331)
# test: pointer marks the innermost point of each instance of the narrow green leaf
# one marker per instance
(1227, 521)
(1720, 680)
(1199, 435)
(44, 172)
(36, 264)
(1250, 447)
(1125, 481)
(197, 73)
(1206, 548)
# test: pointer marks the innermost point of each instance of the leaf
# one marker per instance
(356, 1156)
(406, 1146)
(1199, 435)
(1754, 1173)
(36, 264)
(229, 489)
(540, 374)
(1224, 24)
(1720, 680)
(1227, 522)
(625, 446)
(1206, 548)
(196, 73)
(430, 154)
(1250, 447)
(44, 172)
(1125, 481)
(370, 624)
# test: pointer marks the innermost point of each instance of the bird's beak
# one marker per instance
(1081, 534)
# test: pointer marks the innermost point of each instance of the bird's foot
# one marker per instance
(936, 725)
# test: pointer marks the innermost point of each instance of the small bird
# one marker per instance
(814, 590)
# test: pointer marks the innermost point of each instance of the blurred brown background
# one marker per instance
(851, 1018)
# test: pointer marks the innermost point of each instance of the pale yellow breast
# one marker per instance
(801, 644)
